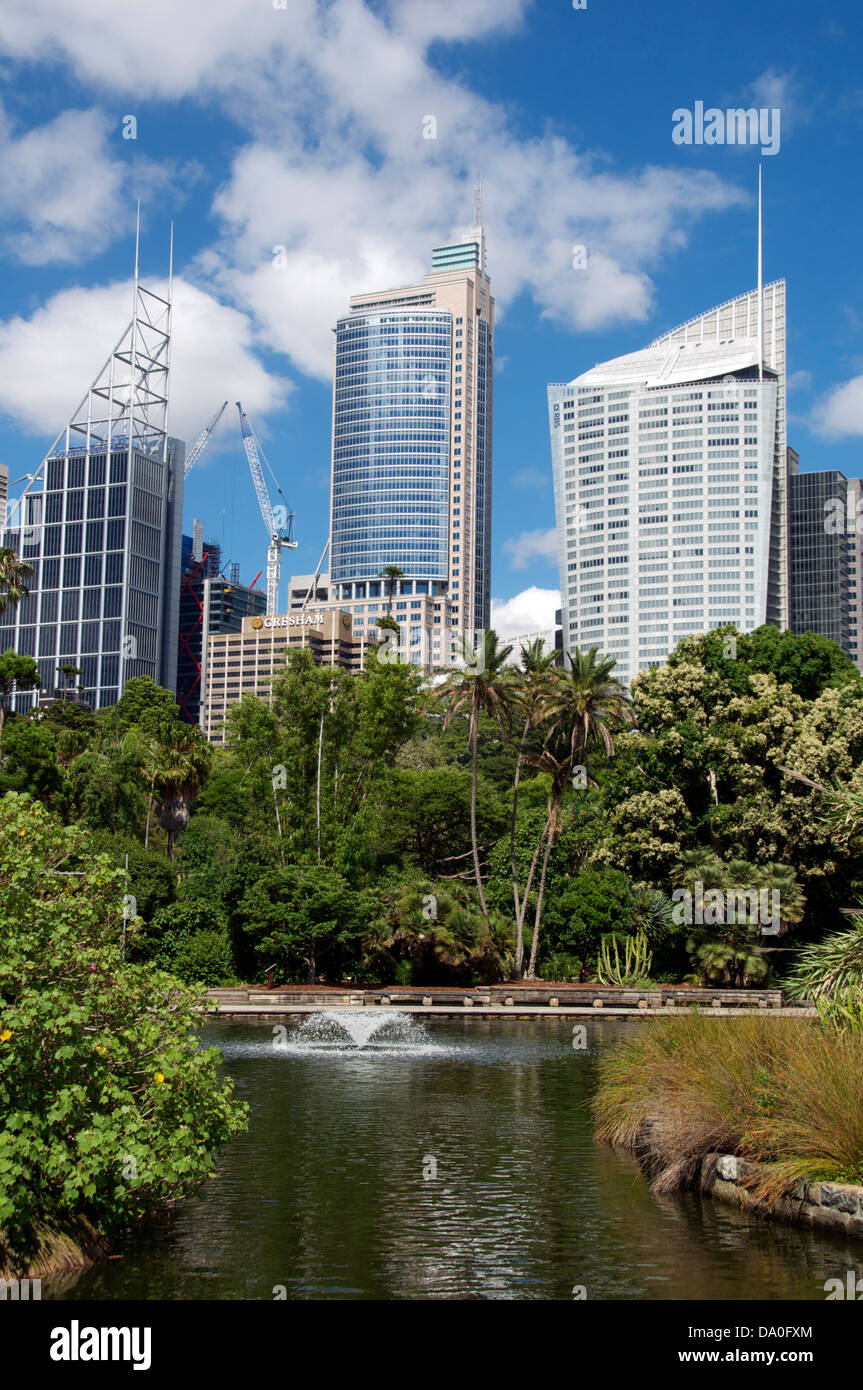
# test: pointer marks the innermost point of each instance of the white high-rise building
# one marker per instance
(671, 486)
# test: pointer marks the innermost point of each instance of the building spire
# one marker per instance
(478, 232)
(760, 287)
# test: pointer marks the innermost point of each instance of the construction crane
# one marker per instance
(312, 591)
(202, 441)
(281, 536)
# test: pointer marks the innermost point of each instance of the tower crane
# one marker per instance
(202, 441)
(281, 535)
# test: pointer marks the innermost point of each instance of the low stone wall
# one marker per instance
(513, 996)
(832, 1206)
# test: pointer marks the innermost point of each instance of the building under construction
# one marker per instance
(210, 603)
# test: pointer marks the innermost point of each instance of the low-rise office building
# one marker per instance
(246, 662)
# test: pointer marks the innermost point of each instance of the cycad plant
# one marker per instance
(830, 969)
(652, 914)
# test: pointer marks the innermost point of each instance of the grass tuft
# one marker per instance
(786, 1093)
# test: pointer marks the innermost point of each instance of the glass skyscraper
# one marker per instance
(103, 539)
(412, 453)
(391, 444)
(671, 486)
(101, 525)
(825, 554)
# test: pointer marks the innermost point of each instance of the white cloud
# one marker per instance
(840, 412)
(530, 611)
(533, 479)
(190, 48)
(178, 50)
(337, 169)
(780, 90)
(48, 361)
(334, 97)
(532, 545)
(72, 195)
(799, 381)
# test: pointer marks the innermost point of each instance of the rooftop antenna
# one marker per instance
(760, 288)
(477, 222)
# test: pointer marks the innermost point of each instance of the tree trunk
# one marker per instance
(473, 758)
(519, 945)
(519, 948)
(534, 945)
(320, 751)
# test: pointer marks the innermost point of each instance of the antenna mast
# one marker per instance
(760, 289)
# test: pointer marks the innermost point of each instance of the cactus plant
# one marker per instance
(635, 966)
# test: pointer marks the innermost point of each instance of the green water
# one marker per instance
(450, 1159)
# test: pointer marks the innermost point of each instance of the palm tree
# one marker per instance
(391, 574)
(67, 670)
(533, 692)
(181, 769)
(585, 706)
(483, 687)
(13, 573)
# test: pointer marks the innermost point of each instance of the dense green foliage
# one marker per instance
(109, 1105)
(372, 827)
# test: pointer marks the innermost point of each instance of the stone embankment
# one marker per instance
(520, 1000)
(831, 1205)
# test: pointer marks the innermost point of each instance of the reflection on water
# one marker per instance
(391, 1156)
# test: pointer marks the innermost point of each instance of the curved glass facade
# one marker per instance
(391, 444)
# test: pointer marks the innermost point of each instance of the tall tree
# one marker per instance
(586, 706)
(482, 687)
(391, 574)
(14, 574)
(16, 673)
(533, 690)
(182, 766)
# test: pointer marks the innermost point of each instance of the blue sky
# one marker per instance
(303, 126)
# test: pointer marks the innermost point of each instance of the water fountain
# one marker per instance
(362, 1028)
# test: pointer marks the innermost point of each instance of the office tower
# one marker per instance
(4, 493)
(247, 662)
(412, 452)
(671, 486)
(209, 604)
(855, 570)
(825, 556)
(101, 525)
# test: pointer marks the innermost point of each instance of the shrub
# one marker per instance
(173, 927)
(829, 967)
(110, 1106)
(560, 968)
(205, 959)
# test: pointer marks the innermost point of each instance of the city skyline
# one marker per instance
(287, 204)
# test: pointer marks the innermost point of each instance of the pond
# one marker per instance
(402, 1157)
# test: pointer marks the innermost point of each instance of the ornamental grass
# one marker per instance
(786, 1093)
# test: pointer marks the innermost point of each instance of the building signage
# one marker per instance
(290, 620)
